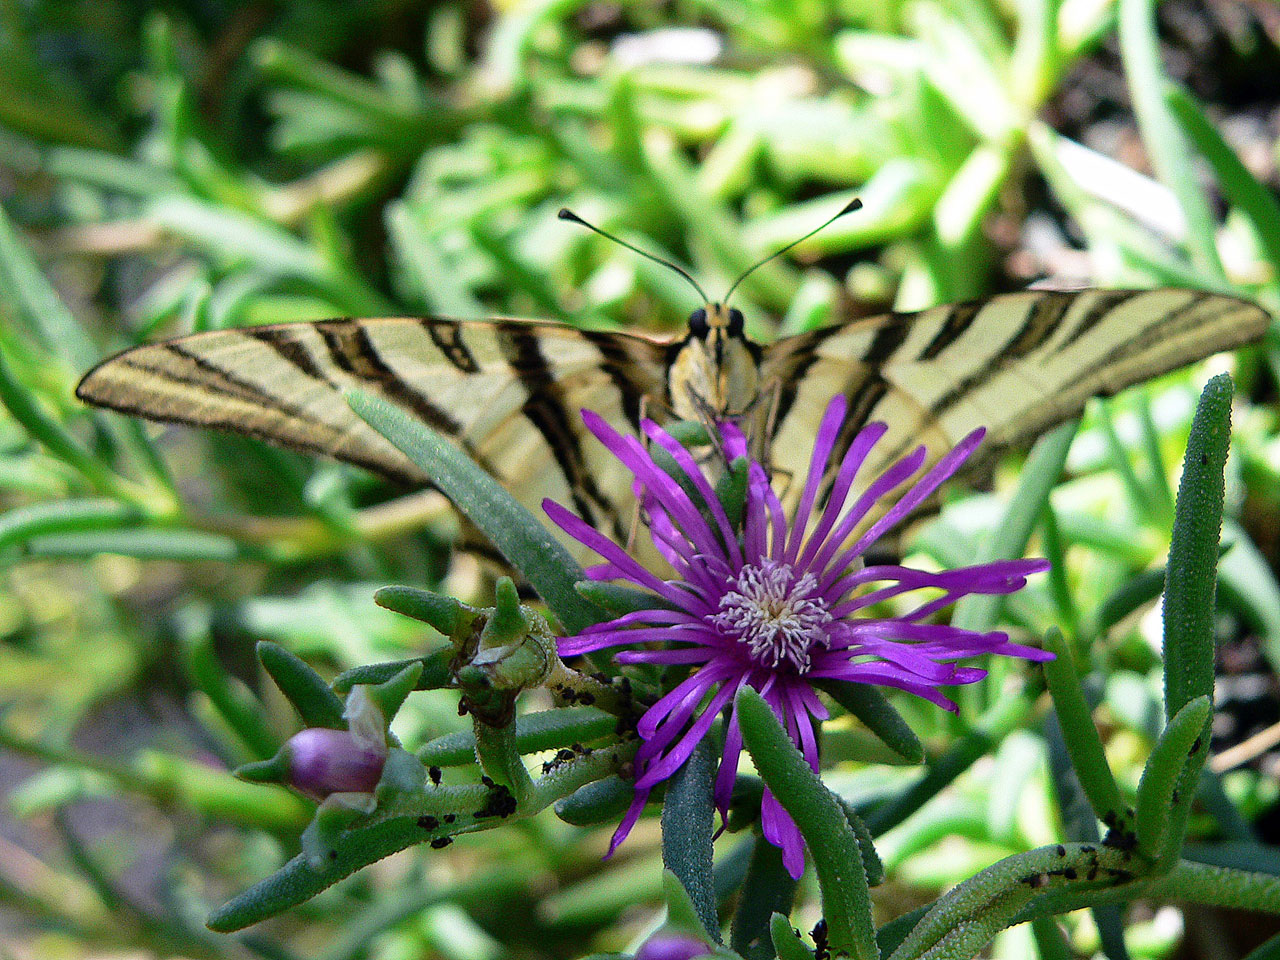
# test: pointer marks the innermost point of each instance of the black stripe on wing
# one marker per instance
(546, 410)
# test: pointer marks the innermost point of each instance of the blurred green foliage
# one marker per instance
(189, 166)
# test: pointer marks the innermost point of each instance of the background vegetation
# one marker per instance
(187, 166)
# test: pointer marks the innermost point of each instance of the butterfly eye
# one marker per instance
(736, 323)
(698, 324)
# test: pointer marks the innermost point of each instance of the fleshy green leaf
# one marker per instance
(786, 941)
(1160, 777)
(535, 732)
(871, 707)
(527, 544)
(687, 825)
(599, 802)
(846, 905)
(767, 891)
(317, 705)
(443, 613)
(1193, 552)
(1081, 736)
(682, 913)
(435, 671)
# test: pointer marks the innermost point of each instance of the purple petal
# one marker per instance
(728, 771)
(921, 491)
(700, 483)
(588, 536)
(681, 701)
(884, 675)
(665, 945)
(892, 478)
(673, 657)
(781, 831)
(824, 442)
(678, 754)
(628, 821)
(861, 447)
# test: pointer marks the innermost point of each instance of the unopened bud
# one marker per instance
(673, 946)
(323, 761)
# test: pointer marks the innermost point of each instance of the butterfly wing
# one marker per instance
(507, 391)
(1016, 364)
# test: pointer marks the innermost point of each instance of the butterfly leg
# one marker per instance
(772, 396)
(634, 525)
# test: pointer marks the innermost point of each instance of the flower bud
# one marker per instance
(673, 946)
(323, 761)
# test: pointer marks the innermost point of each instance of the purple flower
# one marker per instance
(777, 605)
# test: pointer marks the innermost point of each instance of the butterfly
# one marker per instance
(509, 391)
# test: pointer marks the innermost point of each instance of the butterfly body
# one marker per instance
(509, 392)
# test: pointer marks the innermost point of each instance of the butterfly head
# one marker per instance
(714, 369)
(716, 317)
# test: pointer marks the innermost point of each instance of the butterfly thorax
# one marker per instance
(715, 370)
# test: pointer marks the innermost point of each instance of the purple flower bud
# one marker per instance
(672, 946)
(323, 761)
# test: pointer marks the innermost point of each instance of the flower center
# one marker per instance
(772, 612)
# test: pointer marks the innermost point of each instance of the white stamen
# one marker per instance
(772, 613)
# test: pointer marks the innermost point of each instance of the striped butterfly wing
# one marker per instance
(508, 392)
(1016, 364)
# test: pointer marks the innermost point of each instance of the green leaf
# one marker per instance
(837, 859)
(767, 891)
(442, 612)
(1003, 717)
(599, 802)
(871, 862)
(1169, 760)
(890, 936)
(687, 824)
(28, 290)
(63, 516)
(1051, 942)
(526, 544)
(1081, 736)
(682, 913)
(1239, 186)
(31, 413)
(436, 672)
(144, 544)
(1166, 146)
(296, 882)
(1139, 590)
(1193, 552)
(241, 710)
(535, 732)
(874, 710)
(1268, 951)
(317, 705)
(618, 600)
(1247, 583)
(786, 942)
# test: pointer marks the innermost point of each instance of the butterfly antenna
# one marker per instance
(852, 205)
(567, 214)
